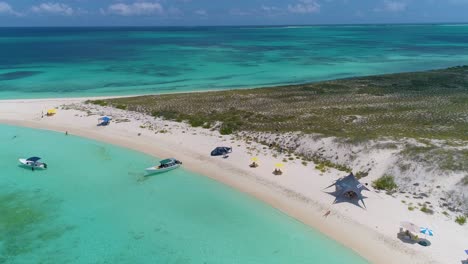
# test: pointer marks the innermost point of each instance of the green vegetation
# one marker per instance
(323, 164)
(97, 102)
(121, 106)
(426, 210)
(445, 158)
(361, 174)
(386, 183)
(411, 208)
(461, 220)
(465, 180)
(429, 105)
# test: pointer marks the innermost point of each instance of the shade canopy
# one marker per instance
(410, 227)
(105, 118)
(221, 151)
(33, 159)
(279, 165)
(348, 185)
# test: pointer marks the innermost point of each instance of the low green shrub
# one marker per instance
(361, 174)
(97, 102)
(386, 182)
(426, 210)
(195, 121)
(228, 128)
(461, 219)
(121, 106)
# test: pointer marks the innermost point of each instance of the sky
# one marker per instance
(223, 12)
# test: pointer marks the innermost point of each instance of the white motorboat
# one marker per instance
(33, 163)
(164, 166)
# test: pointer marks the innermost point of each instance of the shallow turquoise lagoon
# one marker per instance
(93, 205)
(60, 62)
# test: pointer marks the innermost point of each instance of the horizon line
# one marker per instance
(238, 25)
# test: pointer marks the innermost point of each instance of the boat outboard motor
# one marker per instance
(45, 166)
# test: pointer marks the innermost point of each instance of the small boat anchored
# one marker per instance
(33, 163)
(164, 166)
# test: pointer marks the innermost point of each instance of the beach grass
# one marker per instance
(386, 183)
(429, 105)
(461, 219)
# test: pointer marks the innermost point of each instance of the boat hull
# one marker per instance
(155, 170)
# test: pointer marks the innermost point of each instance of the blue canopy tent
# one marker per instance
(348, 189)
(104, 121)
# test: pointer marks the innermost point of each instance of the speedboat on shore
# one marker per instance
(164, 166)
(33, 163)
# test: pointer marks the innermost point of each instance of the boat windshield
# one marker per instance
(167, 161)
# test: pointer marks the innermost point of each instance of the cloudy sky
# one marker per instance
(223, 12)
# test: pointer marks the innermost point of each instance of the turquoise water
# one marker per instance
(57, 62)
(93, 205)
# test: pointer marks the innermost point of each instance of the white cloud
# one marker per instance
(392, 6)
(305, 7)
(53, 8)
(5, 8)
(134, 9)
(269, 8)
(201, 12)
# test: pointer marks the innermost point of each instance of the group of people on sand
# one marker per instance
(253, 165)
(277, 171)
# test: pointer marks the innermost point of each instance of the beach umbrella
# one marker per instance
(410, 226)
(51, 111)
(426, 231)
(279, 165)
(105, 119)
(254, 159)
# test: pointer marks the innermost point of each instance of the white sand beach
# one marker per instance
(299, 192)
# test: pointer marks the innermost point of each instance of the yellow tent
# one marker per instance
(52, 111)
